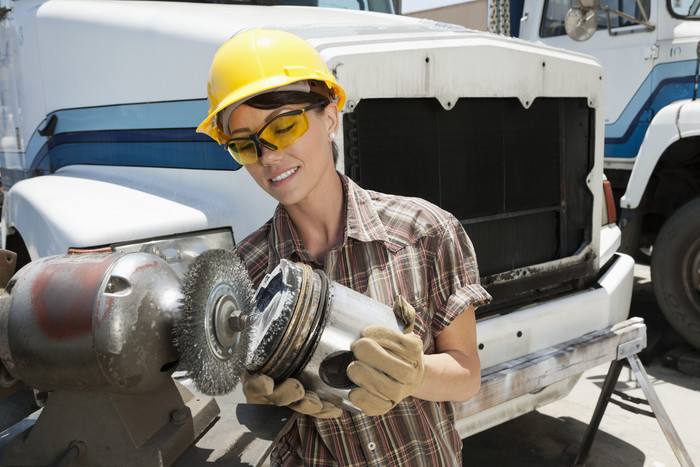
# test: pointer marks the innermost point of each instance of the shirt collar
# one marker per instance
(361, 223)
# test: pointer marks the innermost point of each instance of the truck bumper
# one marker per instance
(548, 323)
(523, 336)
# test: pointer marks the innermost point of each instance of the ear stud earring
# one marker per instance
(332, 135)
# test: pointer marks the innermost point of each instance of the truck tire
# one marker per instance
(675, 271)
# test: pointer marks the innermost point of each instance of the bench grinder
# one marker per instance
(95, 331)
(103, 334)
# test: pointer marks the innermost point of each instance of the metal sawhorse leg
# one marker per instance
(658, 411)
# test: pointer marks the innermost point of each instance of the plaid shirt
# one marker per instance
(392, 245)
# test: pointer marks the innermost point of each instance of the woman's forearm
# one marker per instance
(450, 376)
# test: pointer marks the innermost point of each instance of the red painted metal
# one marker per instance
(63, 297)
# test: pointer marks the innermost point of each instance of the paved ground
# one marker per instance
(551, 436)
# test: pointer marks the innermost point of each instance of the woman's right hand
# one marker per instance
(261, 389)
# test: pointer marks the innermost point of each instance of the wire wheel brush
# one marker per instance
(216, 309)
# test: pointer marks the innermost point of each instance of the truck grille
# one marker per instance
(514, 177)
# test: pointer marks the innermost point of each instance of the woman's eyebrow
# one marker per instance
(270, 116)
(245, 131)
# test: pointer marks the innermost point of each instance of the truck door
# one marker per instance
(627, 51)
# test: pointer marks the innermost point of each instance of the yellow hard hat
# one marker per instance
(259, 60)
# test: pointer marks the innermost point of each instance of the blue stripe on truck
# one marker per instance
(156, 134)
(669, 82)
(167, 147)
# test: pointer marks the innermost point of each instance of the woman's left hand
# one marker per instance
(389, 367)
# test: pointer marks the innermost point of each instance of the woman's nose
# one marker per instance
(268, 156)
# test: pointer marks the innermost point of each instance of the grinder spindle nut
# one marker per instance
(238, 322)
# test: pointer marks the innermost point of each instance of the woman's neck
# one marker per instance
(320, 219)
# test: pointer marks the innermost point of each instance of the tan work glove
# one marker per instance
(389, 365)
(261, 389)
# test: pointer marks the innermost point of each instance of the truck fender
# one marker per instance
(680, 119)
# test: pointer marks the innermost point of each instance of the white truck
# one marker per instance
(649, 51)
(100, 100)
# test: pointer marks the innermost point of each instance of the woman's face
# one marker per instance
(301, 170)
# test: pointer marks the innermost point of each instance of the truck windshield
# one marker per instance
(555, 11)
(688, 9)
(382, 6)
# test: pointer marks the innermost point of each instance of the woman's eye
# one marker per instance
(282, 129)
(246, 147)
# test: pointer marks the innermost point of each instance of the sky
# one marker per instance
(409, 6)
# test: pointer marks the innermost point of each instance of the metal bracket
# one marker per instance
(632, 347)
(653, 53)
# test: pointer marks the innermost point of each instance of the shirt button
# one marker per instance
(371, 446)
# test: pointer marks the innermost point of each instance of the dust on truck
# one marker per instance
(99, 154)
(649, 51)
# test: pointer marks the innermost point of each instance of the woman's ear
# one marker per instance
(332, 120)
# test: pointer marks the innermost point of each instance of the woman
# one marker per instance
(275, 106)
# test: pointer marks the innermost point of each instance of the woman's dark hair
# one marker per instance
(273, 100)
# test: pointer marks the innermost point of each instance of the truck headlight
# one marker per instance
(177, 250)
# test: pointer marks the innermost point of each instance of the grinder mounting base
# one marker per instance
(108, 429)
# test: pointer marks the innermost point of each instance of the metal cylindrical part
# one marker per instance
(315, 322)
(347, 313)
(91, 321)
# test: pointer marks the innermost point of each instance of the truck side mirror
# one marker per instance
(685, 8)
(580, 24)
(581, 20)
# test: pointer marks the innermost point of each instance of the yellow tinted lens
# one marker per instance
(283, 131)
(243, 151)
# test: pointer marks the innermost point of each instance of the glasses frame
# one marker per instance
(255, 137)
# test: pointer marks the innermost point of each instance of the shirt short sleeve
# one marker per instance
(455, 282)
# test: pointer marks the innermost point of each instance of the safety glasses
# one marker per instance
(277, 134)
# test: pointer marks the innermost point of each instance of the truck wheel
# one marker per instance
(675, 271)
